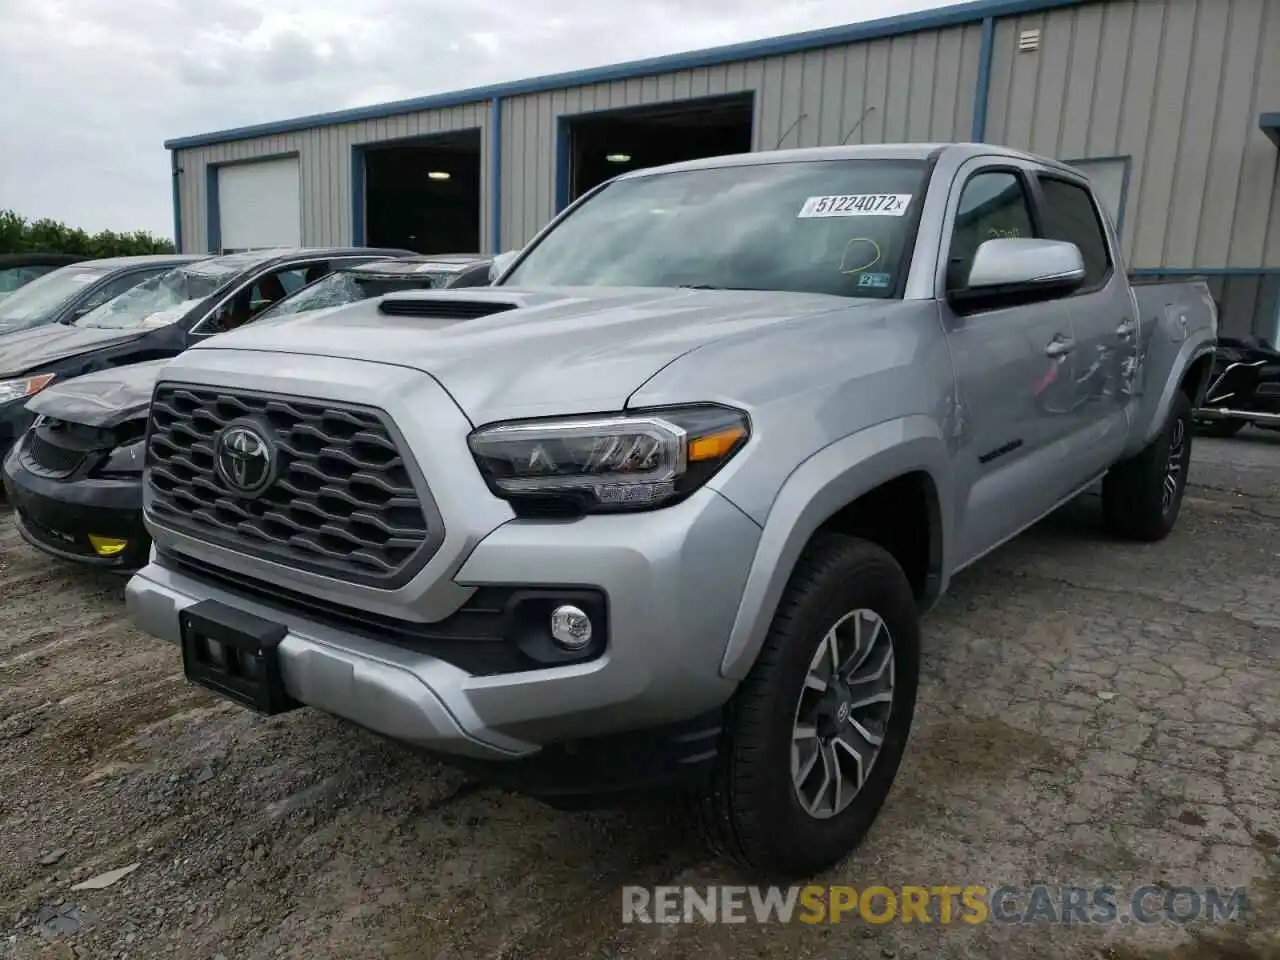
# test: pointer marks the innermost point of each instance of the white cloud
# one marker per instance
(93, 87)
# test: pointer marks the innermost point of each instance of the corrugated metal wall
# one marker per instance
(921, 86)
(1175, 85)
(1178, 85)
(325, 170)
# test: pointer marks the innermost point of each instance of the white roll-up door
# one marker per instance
(259, 204)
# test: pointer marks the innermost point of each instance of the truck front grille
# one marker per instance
(342, 503)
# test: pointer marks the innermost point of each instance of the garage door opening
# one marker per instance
(604, 145)
(424, 194)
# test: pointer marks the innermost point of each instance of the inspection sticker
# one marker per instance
(878, 281)
(857, 205)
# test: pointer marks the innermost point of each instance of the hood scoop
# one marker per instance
(443, 308)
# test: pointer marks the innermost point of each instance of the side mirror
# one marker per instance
(1014, 271)
(500, 263)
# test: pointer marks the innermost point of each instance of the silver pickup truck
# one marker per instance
(663, 506)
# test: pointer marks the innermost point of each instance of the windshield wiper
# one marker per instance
(711, 286)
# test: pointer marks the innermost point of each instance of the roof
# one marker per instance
(868, 151)
(953, 15)
(249, 258)
(402, 266)
(1270, 123)
(117, 262)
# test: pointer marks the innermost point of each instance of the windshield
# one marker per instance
(161, 300)
(836, 226)
(348, 287)
(36, 302)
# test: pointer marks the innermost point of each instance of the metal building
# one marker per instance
(1171, 106)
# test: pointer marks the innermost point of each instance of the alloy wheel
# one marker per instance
(843, 713)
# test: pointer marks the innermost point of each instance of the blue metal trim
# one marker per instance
(982, 93)
(357, 195)
(950, 16)
(564, 161)
(1270, 123)
(495, 177)
(213, 214)
(1204, 271)
(176, 172)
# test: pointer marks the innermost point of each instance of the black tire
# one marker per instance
(1220, 428)
(1133, 501)
(750, 811)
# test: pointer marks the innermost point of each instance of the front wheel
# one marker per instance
(817, 731)
(1142, 496)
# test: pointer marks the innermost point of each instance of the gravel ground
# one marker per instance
(1092, 712)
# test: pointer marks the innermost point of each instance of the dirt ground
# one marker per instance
(1092, 712)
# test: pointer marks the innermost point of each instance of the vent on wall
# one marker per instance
(1028, 40)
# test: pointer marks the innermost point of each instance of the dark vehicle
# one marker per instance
(158, 318)
(1244, 388)
(19, 269)
(69, 292)
(75, 479)
(365, 280)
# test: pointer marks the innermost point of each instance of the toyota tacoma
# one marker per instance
(664, 505)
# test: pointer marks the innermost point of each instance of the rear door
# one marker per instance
(1010, 366)
(1103, 315)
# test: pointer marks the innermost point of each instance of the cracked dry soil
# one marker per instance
(1091, 712)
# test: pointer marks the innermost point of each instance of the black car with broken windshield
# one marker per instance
(75, 479)
(159, 317)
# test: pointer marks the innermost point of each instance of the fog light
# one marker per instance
(107, 546)
(570, 627)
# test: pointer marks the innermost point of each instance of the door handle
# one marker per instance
(1059, 347)
(1126, 329)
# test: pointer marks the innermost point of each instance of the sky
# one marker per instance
(92, 88)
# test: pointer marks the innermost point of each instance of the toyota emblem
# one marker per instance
(244, 459)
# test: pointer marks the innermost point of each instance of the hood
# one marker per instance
(29, 349)
(104, 398)
(566, 350)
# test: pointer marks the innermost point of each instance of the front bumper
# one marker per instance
(58, 516)
(673, 579)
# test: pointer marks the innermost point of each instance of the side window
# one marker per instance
(1070, 214)
(266, 291)
(993, 205)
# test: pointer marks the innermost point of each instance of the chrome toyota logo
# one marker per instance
(244, 459)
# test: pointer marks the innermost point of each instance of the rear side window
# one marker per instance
(1070, 214)
(993, 206)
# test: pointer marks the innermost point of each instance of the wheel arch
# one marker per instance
(866, 484)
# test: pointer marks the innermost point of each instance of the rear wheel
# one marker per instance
(1142, 496)
(1220, 428)
(818, 729)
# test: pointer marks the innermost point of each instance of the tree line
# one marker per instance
(20, 235)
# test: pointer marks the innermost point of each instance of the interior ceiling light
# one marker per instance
(438, 175)
(618, 157)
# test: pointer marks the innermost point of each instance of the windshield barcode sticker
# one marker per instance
(857, 205)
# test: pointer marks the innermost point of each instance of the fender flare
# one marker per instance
(1152, 417)
(829, 480)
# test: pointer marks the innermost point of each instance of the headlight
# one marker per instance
(126, 459)
(635, 461)
(11, 390)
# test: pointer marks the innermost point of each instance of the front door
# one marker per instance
(1012, 369)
